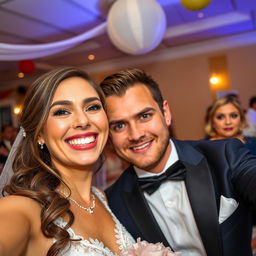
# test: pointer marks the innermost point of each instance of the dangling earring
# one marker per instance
(41, 145)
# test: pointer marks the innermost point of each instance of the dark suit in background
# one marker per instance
(3, 152)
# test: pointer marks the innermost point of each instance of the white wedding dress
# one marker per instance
(94, 247)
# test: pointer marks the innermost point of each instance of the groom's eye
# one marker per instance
(145, 116)
(117, 127)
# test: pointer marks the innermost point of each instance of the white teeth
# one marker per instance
(82, 141)
(142, 146)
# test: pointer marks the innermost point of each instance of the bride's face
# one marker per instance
(76, 129)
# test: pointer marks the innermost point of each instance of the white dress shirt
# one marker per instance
(172, 210)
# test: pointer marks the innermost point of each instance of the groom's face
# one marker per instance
(138, 128)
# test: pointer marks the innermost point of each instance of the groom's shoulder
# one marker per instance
(124, 182)
(227, 143)
(232, 142)
(210, 146)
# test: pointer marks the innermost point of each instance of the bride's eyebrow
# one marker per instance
(60, 102)
(67, 102)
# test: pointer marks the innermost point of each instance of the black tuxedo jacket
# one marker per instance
(214, 168)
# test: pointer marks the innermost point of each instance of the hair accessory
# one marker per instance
(41, 145)
(23, 132)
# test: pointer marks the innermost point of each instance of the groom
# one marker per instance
(194, 196)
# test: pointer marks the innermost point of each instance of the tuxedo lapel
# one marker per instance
(142, 215)
(202, 198)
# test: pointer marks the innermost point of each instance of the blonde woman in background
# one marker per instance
(226, 120)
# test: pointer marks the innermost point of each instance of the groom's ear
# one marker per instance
(167, 113)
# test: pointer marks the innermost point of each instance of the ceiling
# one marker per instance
(46, 21)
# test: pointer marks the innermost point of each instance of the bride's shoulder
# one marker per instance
(19, 204)
(19, 221)
(17, 198)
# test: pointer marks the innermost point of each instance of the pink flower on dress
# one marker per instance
(143, 248)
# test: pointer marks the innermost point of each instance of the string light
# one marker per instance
(91, 57)
(20, 75)
(17, 110)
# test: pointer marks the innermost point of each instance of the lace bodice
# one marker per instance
(94, 247)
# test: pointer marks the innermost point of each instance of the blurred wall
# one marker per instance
(242, 72)
(185, 84)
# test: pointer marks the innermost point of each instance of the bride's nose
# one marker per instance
(81, 120)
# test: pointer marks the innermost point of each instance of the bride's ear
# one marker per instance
(40, 139)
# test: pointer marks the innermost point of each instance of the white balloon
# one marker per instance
(136, 26)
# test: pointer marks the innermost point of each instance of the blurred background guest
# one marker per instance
(114, 164)
(226, 120)
(250, 130)
(8, 134)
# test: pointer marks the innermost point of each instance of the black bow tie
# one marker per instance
(176, 171)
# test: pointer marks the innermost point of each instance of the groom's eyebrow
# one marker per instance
(136, 115)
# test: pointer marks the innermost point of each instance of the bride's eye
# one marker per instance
(94, 107)
(61, 112)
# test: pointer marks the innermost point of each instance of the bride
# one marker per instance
(50, 207)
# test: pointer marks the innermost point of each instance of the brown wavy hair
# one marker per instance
(34, 176)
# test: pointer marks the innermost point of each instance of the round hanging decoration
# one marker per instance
(195, 5)
(136, 26)
(26, 66)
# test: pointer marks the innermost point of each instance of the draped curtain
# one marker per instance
(12, 52)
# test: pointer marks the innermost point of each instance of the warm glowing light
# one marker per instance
(214, 79)
(20, 75)
(17, 110)
(91, 57)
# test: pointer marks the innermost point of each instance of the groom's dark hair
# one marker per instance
(118, 83)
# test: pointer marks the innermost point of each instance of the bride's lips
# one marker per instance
(84, 141)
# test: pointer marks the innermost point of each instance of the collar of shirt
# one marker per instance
(171, 160)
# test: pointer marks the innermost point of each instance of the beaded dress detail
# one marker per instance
(94, 247)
